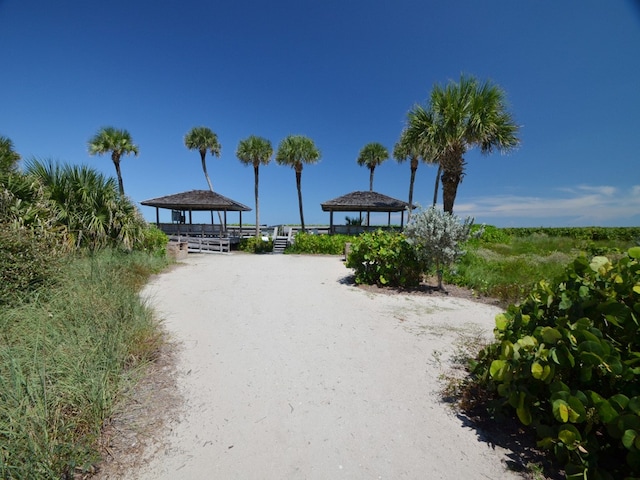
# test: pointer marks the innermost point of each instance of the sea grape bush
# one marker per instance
(567, 360)
(256, 245)
(437, 238)
(385, 258)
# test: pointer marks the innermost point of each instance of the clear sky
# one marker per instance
(344, 73)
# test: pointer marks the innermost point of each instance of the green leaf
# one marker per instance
(523, 410)
(634, 405)
(606, 411)
(501, 322)
(550, 335)
(629, 438)
(561, 410)
(634, 252)
(537, 370)
(569, 435)
(498, 369)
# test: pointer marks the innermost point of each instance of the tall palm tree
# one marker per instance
(404, 149)
(372, 155)
(458, 117)
(203, 139)
(255, 151)
(9, 158)
(295, 151)
(118, 142)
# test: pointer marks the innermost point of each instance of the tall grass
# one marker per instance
(506, 267)
(64, 359)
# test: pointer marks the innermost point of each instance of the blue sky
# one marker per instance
(344, 73)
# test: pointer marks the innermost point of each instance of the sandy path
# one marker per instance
(287, 372)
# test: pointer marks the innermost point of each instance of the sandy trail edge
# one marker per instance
(288, 372)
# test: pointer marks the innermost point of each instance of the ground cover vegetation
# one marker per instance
(73, 254)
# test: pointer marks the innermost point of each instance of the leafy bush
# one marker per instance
(319, 244)
(384, 258)
(153, 241)
(568, 362)
(256, 245)
(27, 263)
(438, 237)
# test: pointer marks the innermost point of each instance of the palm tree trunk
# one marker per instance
(203, 154)
(204, 168)
(371, 169)
(116, 161)
(298, 185)
(452, 173)
(256, 172)
(435, 188)
(414, 168)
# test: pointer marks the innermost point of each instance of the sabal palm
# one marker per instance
(88, 205)
(404, 149)
(295, 151)
(116, 141)
(9, 158)
(255, 151)
(203, 139)
(372, 155)
(458, 117)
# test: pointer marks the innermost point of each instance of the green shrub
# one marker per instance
(153, 241)
(27, 263)
(319, 244)
(383, 258)
(568, 362)
(438, 237)
(256, 245)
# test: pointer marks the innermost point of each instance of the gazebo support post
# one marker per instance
(331, 229)
(402, 220)
(240, 223)
(157, 217)
(389, 220)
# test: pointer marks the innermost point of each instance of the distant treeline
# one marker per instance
(579, 233)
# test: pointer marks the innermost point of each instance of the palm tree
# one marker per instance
(203, 139)
(372, 155)
(296, 150)
(403, 150)
(255, 151)
(458, 117)
(118, 142)
(9, 158)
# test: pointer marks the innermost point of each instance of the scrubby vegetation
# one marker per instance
(73, 255)
(65, 357)
(319, 244)
(256, 245)
(567, 362)
(383, 258)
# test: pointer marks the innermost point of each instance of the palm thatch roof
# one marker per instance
(197, 200)
(364, 202)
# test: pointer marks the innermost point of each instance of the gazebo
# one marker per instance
(195, 200)
(364, 202)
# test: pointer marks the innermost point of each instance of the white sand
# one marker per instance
(288, 372)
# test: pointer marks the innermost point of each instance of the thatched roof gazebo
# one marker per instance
(196, 200)
(364, 202)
